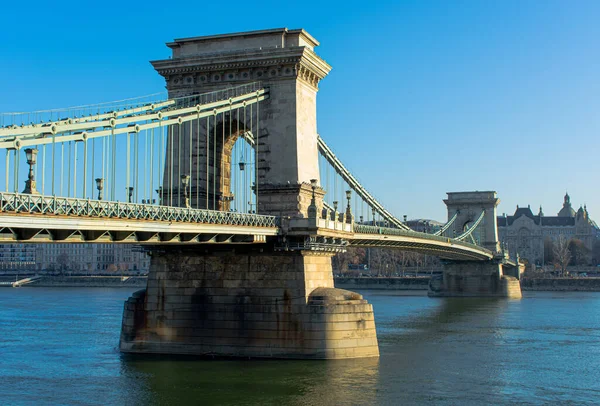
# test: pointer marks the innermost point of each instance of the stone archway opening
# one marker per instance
(476, 234)
(233, 166)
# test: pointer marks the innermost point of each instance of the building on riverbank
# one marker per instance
(424, 225)
(74, 258)
(17, 257)
(532, 235)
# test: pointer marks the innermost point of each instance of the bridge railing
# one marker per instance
(61, 206)
(366, 229)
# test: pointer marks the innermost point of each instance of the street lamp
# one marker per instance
(185, 181)
(348, 209)
(374, 222)
(333, 216)
(31, 154)
(159, 193)
(130, 194)
(243, 164)
(312, 209)
(99, 186)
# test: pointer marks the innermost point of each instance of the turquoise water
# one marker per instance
(59, 346)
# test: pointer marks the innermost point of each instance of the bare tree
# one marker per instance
(548, 251)
(579, 252)
(562, 254)
(62, 261)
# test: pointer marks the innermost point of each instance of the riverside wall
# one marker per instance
(561, 284)
(89, 282)
(393, 283)
(527, 284)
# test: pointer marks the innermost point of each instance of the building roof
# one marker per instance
(425, 222)
(566, 216)
(567, 210)
(558, 221)
(505, 221)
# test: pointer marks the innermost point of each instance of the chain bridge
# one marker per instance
(237, 198)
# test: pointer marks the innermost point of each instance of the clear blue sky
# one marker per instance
(425, 97)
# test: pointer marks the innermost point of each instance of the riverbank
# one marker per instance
(353, 283)
(561, 284)
(392, 283)
(88, 282)
(421, 283)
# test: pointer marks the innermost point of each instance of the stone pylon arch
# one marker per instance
(206, 157)
(469, 206)
(285, 127)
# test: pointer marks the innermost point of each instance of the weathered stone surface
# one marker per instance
(474, 279)
(254, 312)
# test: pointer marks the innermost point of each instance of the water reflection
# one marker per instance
(59, 346)
(446, 354)
(179, 380)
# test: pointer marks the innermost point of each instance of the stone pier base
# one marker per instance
(245, 303)
(474, 279)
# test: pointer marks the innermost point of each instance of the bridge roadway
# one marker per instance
(44, 219)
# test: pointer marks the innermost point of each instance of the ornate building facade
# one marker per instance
(532, 235)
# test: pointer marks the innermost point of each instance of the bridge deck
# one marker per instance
(443, 247)
(37, 218)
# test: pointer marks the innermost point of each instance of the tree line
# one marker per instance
(382, 262)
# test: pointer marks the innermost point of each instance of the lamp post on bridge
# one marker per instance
(100, 187)
(348, 209)
(185, 181)
(159, 193)
(31, 154)
(130, 194)
(335, 213)
(312, 209)
(374, 221)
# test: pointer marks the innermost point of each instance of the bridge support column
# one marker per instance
(243, 302)
(474, 279)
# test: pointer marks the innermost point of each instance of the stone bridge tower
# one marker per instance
(468, 278)
(469, 206)
(250, 300)
(285, 62)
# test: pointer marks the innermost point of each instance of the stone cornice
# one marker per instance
(265, 64)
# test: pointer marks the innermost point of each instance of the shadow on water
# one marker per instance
(414, 344)
(442, 316)
(189, 380)
(442, 350)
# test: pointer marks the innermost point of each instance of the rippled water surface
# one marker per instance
(59, 346)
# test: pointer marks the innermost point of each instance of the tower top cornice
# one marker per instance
(242, 60)
(242, 57)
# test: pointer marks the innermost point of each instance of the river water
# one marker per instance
(59, 346)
